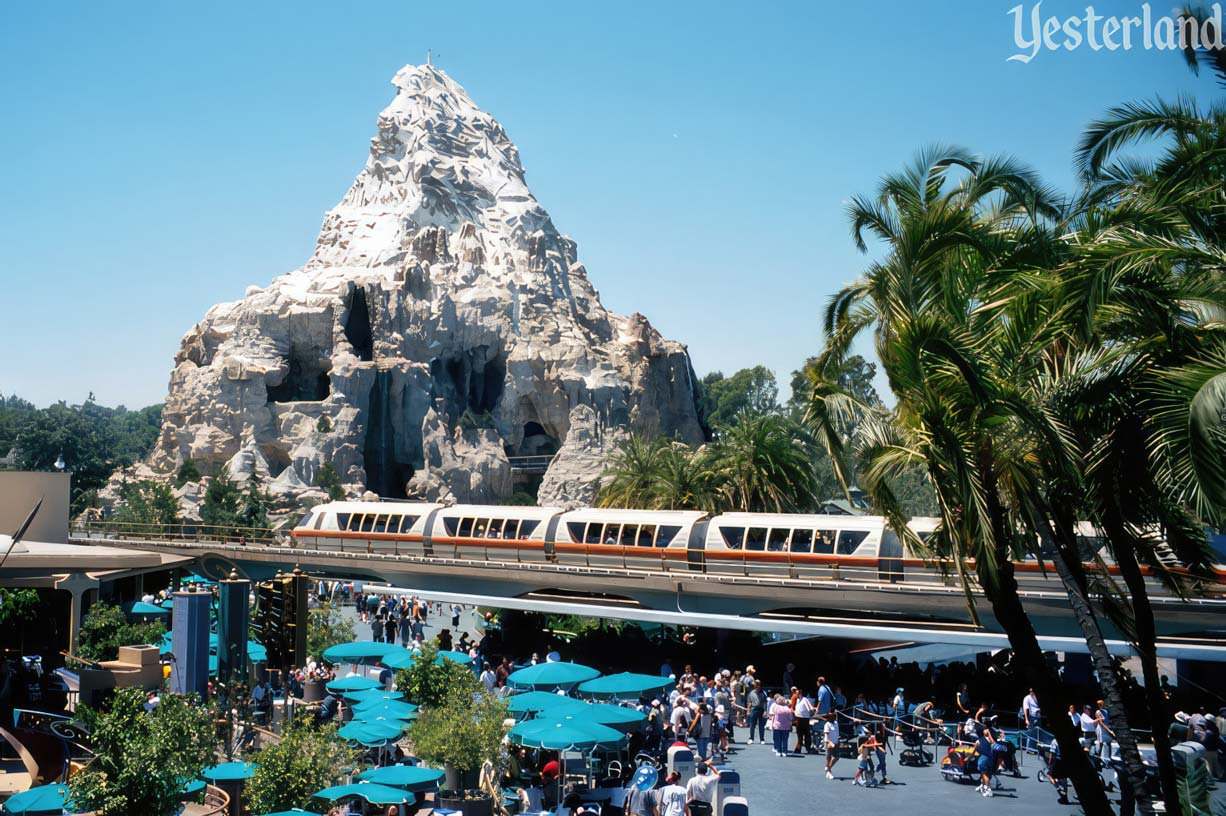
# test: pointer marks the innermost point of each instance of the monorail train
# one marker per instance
(752, 544)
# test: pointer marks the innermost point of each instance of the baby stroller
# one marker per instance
(959, 765)
(1005, 754)
(913, 753)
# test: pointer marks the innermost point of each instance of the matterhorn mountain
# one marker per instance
(442, 328)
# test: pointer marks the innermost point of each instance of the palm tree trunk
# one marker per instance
(1053, 695)
(1147, 649)
(1104, 666)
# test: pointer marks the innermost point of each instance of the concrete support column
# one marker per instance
(77, 584)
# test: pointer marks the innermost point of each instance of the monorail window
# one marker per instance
(850, 539)
(802, 540)
(481, 526)
(368, 522)
(527, 527)
(778, 540)
(755, 539)
(319, 520)
(406, 523)
(466, 528)
(612, 532)
(823, 542)
(451, 525)
(647, 534)
(667, 533)
(509, 529)
(380, 525)
(495, 529)
(594, 533)
(342, 521)
(734, 537)
(630, 532)
(575, 528)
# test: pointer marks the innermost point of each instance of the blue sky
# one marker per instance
(162, 158)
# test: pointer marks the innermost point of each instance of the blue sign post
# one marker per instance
(189, 643)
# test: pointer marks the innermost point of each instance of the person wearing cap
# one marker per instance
(700, 790)
(899, 706)
(655, 726)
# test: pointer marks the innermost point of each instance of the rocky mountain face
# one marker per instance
(442, 327)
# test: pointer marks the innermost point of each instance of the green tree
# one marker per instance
(327, 626)
(629, 480)
(763, 463)
(429, 680)
(960, 352)
(142, 759)
(287, 772)
(254, 512)
(722, 400)
(105, 628)
(147, 503)
(187, 472)
(462, 730)
(222, 502)
(330, 481)
(323, 424)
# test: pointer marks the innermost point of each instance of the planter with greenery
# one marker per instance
(460, 733)
(106, 628)
(429, 682)
(304, 761)
(142, 759)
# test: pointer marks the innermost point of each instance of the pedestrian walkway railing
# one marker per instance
(531, 464)
(186, 532)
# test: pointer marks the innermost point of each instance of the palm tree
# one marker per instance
(683, 481)
(960, 331)
(764, 464)
(629, 479)
(1147, 281)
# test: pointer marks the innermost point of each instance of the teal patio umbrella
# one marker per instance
(409, 777)
(385, 710)
(292, 813)
(374, 793)
(537, 702)
(550, 676)
(454, 657)
(625, 686)
(256, 652)
(361, 651)
(353, 682)
(402, 659)
(397, 660)
(192, 786)
(142, 608)
(367, 695)
(43, 799)
(229, 771)
(559, 735)
(372, 733)
(623, 719)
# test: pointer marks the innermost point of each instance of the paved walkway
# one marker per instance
(797, 785)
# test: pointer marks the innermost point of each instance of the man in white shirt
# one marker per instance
(804, 735)
(701, 787)
(488, 678)
(1030, 716)
(673, 797)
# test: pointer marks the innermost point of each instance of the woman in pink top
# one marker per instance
(781, 724)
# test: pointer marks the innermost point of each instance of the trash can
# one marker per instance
(681, 760)
(728, 785)
(735, 806)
